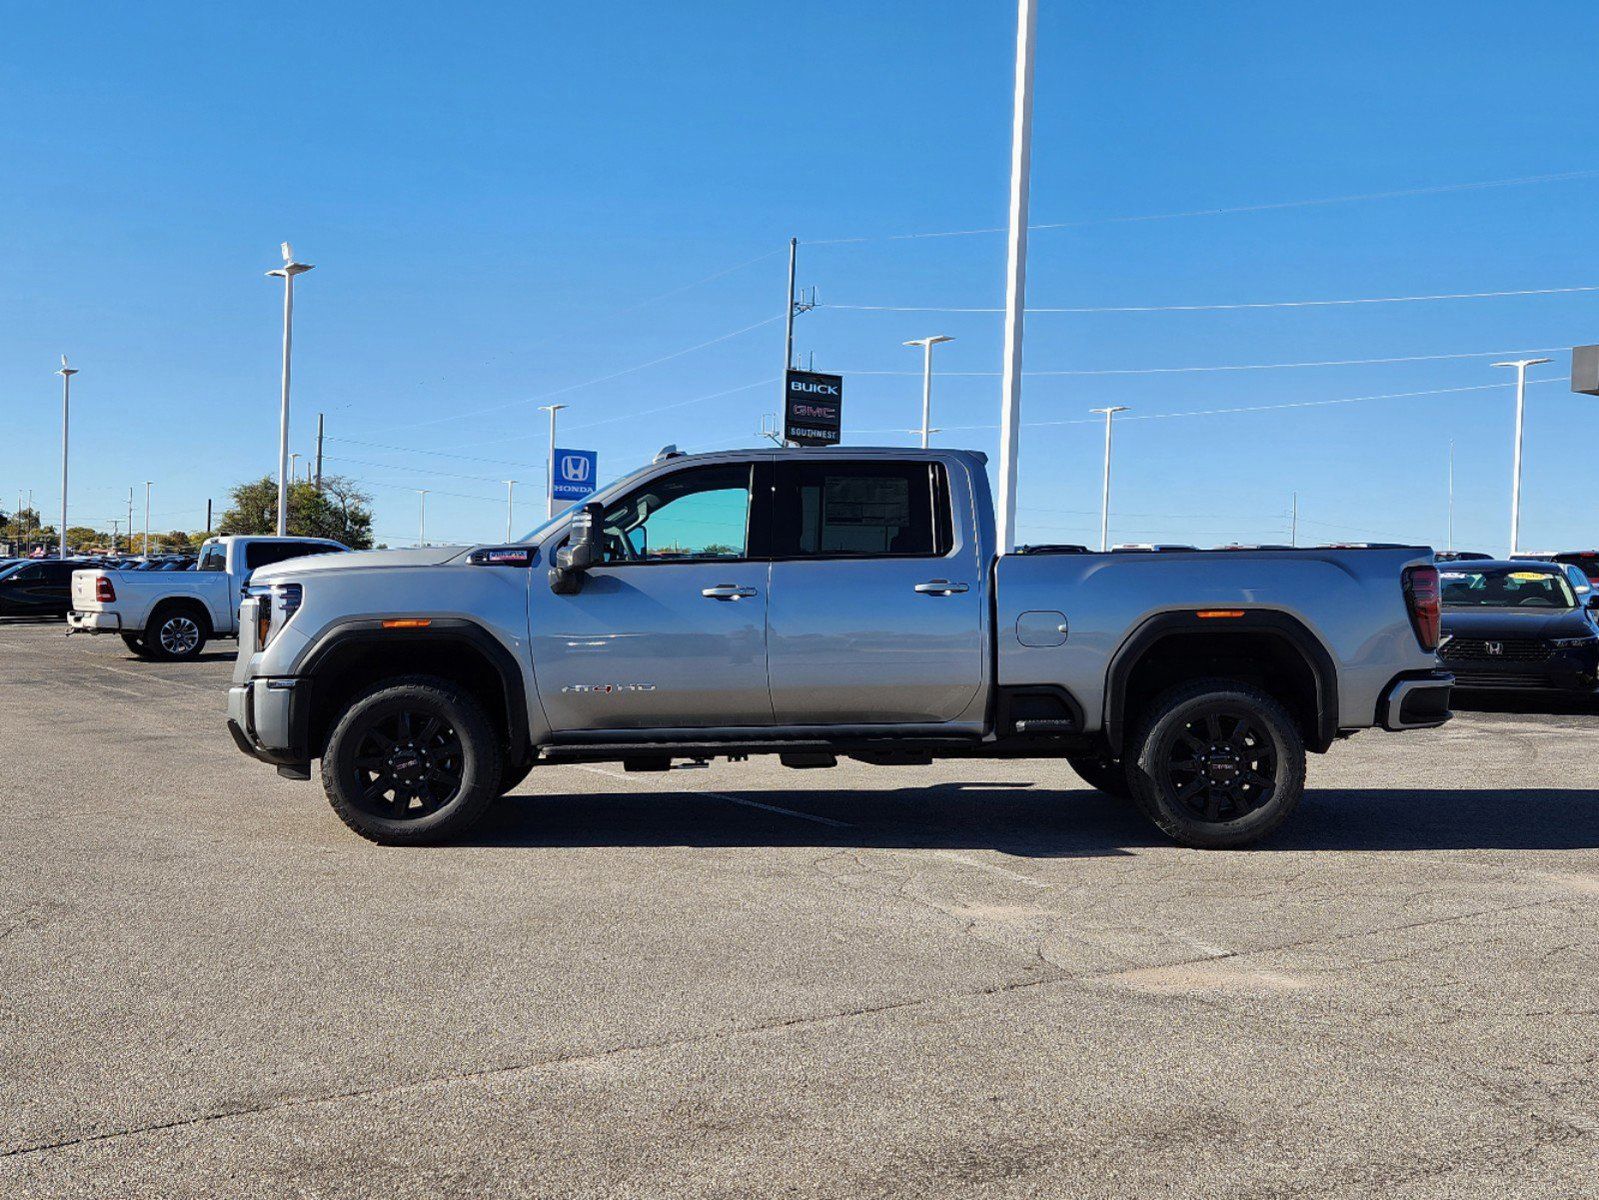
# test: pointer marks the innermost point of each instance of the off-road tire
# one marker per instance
(420, 788)
(176, 632)
(1216, 763)
(1108, 775)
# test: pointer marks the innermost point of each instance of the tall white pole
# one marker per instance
(1104, 499)
(66, 374)
(1450, 539)
(1293, 523)
(1521, 366)
(130, 520)
(287, 272)
(1016, 273)
(510, 488)
(549, 465)
(422, 518)
(147, 518)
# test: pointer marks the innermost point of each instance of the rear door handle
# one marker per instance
(727, 591)
(940, 587)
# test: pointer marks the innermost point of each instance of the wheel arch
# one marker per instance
(1267, 647)
(189, 604)
(353, 655)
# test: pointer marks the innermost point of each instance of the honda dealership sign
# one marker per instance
(574, 474)
(812, 408)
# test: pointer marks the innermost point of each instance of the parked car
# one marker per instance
(1586, 560)
(162, 612)
(1519, 624)
(817, 604)
(36, 587)
(1462, 556)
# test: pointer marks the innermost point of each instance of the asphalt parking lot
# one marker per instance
(975, 979)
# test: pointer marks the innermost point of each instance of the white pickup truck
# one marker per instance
(171, 614)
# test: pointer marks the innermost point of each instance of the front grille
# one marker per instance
(1519, 650)
(1498, 679)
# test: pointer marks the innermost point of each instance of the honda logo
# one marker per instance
(1494, 647)
(575, 469)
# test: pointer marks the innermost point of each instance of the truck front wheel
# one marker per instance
(412, 761)
(1218, 763)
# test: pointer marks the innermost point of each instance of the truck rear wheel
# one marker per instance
(412, 761)
(176, 632)
(135, 642)
(1108, 775)
(1218, 763)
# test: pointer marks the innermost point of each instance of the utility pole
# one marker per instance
(287, 272)
(1449, 540)
(116, 523)
(319, 453)
(927, 344)
(1293, 525)
(510, 488)
(422, 518)
(1521, 365)
(549, 465)
(1104, 500)
(66, 374)
(147, 518)
(208, 515)
(1021, 153)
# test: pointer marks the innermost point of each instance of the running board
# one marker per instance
(611, 751)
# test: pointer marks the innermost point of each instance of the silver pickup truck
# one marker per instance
(822, 603)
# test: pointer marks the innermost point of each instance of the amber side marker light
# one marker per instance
(408, 623)
(1212, 613)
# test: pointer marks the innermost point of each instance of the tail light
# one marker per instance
(1421, 597)
(103, 591)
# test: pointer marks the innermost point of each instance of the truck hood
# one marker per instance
(1511, 623)
(356, 560)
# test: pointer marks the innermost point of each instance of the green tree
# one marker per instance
(82, 537)
(340, 511)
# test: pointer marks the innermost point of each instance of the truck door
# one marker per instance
(875, 613)
(669, 630)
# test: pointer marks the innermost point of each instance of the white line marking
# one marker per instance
(997, 869)
(787, 812)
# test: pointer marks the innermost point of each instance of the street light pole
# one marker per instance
(1450, 539)
(66, 374)
(147, 518)
(287, 271)
(1104, 500)
(422, 518)
(510, 488)
(927, 344)
(1521, 365)
(1021, 152)
(549, 466)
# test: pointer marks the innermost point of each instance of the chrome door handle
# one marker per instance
(940, 587)
(727, 591)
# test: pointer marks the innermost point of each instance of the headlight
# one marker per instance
(1573, 643)
(275, 604)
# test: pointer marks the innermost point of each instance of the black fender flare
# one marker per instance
(1271, 622)
(343, 636)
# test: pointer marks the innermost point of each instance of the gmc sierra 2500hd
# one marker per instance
(818, 603)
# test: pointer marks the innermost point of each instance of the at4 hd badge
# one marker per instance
(813, 407)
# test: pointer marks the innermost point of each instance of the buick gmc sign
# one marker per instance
(813, 405)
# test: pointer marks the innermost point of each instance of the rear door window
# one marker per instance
(861, 510)
(264, 554)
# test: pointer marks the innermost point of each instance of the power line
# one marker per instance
(1161, 308)
(1337, 362)
(597, 380)
(1435, 190)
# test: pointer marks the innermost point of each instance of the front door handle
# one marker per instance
(941, 587)
(727, 591)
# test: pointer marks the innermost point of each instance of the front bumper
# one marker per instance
(1573, 672)
(269, 720)
(94, 622)
(1418, 700)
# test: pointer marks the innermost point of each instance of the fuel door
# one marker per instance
(1038, 627)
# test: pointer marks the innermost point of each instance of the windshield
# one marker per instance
(1505, 587)
(539, 529)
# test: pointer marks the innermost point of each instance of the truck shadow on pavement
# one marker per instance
(1035, 822)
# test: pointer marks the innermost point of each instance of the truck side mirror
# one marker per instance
(581, 551)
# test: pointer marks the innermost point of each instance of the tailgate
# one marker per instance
(83, 593)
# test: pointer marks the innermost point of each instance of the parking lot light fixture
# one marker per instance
(1521, 365)
(422, 517)
(66, 374)
(510, 511)
(287, 272)
(927, 344)
(1104, 500)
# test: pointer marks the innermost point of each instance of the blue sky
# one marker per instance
(509, 204)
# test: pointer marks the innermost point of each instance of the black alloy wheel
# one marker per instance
(408, 765)
(1223, 765)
